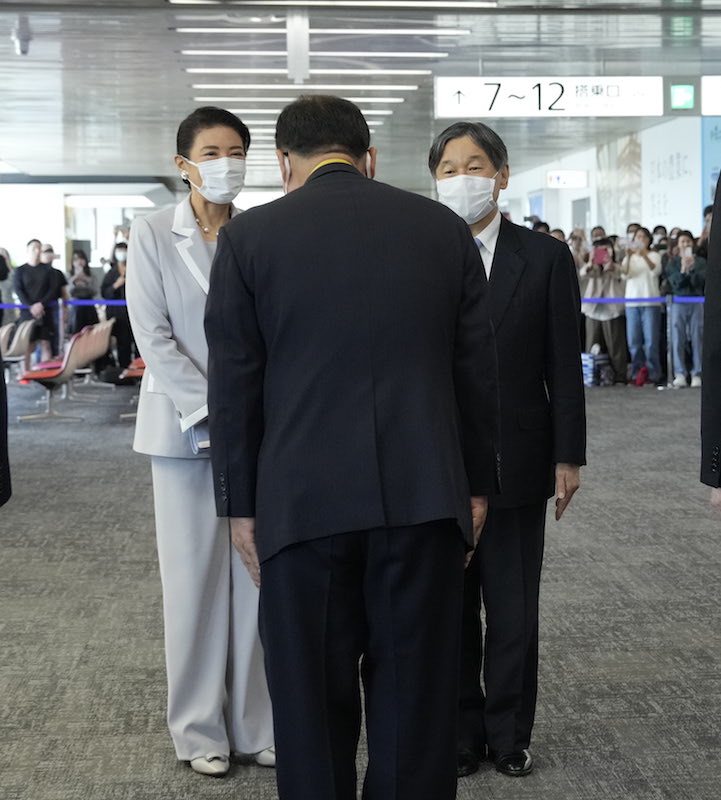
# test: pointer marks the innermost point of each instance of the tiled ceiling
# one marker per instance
(105, 82)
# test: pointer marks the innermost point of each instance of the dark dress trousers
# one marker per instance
(711, 386)
(4, 463)
(353, 411)
(534, 299)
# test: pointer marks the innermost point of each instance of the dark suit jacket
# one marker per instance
(4, 464)
(352, 370)
(711, 386)
(534, 300)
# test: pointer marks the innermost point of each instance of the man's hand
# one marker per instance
(242, 534)
(479, 512)
(568, 479)
(716, 500)
(37, 310)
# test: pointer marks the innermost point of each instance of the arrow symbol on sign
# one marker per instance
(459, 94)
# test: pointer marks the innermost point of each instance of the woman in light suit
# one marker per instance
(218, 699)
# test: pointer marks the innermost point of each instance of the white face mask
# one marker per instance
(470, 196)
(121, 256)
(223, 178)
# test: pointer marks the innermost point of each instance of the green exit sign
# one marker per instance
(683, 97)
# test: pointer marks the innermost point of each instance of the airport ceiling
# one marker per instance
(105, 82)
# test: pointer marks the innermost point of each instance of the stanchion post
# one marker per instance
(669, 347)
(61, 327)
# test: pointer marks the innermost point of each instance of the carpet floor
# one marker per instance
(630, 677)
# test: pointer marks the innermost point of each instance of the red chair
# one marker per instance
(91, 343)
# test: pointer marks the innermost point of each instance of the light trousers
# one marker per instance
(218, 697)
(643, 328)
(687, 328)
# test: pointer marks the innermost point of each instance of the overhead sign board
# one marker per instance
(711, 95)
(567, 179)
(620, 96)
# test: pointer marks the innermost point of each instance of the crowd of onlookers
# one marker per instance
(38, 286)
(641, 270)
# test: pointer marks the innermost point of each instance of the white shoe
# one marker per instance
(266, 758)
(679, 382)
(696, 382)
(214, 764)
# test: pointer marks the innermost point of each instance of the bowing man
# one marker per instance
(353, 408)
(534, 300)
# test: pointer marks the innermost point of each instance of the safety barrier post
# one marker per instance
(61, 327)
(669, 348)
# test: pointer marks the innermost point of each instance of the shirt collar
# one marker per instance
(489, 235)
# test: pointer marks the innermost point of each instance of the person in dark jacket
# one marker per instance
(81, 286)
(353, 407)
(686, 278)
(534, 300)
(711, 388)
(113, 288)
(5, 489)
(39, 286)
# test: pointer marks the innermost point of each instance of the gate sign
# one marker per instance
(616, 96)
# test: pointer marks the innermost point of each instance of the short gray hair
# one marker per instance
(486, 138)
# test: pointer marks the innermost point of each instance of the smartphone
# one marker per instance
(600, 255)
(687, 252)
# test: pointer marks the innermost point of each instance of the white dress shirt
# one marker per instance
(486, 241)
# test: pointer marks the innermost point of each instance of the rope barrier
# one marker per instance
(99, 302)
(681, 299)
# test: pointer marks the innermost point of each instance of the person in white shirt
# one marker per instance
(641, 269)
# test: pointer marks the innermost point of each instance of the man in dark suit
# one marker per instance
(534, 299)
(4, 463)
(353, 409)
(711, 385)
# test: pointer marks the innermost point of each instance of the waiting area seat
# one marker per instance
(15, 341)
(91, 343)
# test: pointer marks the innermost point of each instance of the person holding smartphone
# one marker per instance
(641, 269)
(605, 322)
(686, 277)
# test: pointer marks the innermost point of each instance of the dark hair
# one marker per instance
(559, 230)
(646, 232)
(541, 226)
(32, 241)
(208, 117)
(633, 225)
(604, 241)
(598, 228)
(486, 138)
(660, 228)
(708, 210)
(687, 233)
(80, 254)
(316, 123)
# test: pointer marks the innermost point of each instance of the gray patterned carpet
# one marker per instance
(630, 698)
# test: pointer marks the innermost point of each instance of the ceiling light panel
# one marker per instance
(290, 99)
(255, 71)
(318, 53)
(337, 31)
(315, 87)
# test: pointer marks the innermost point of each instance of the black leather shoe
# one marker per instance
(515, 765)
(468, 761)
